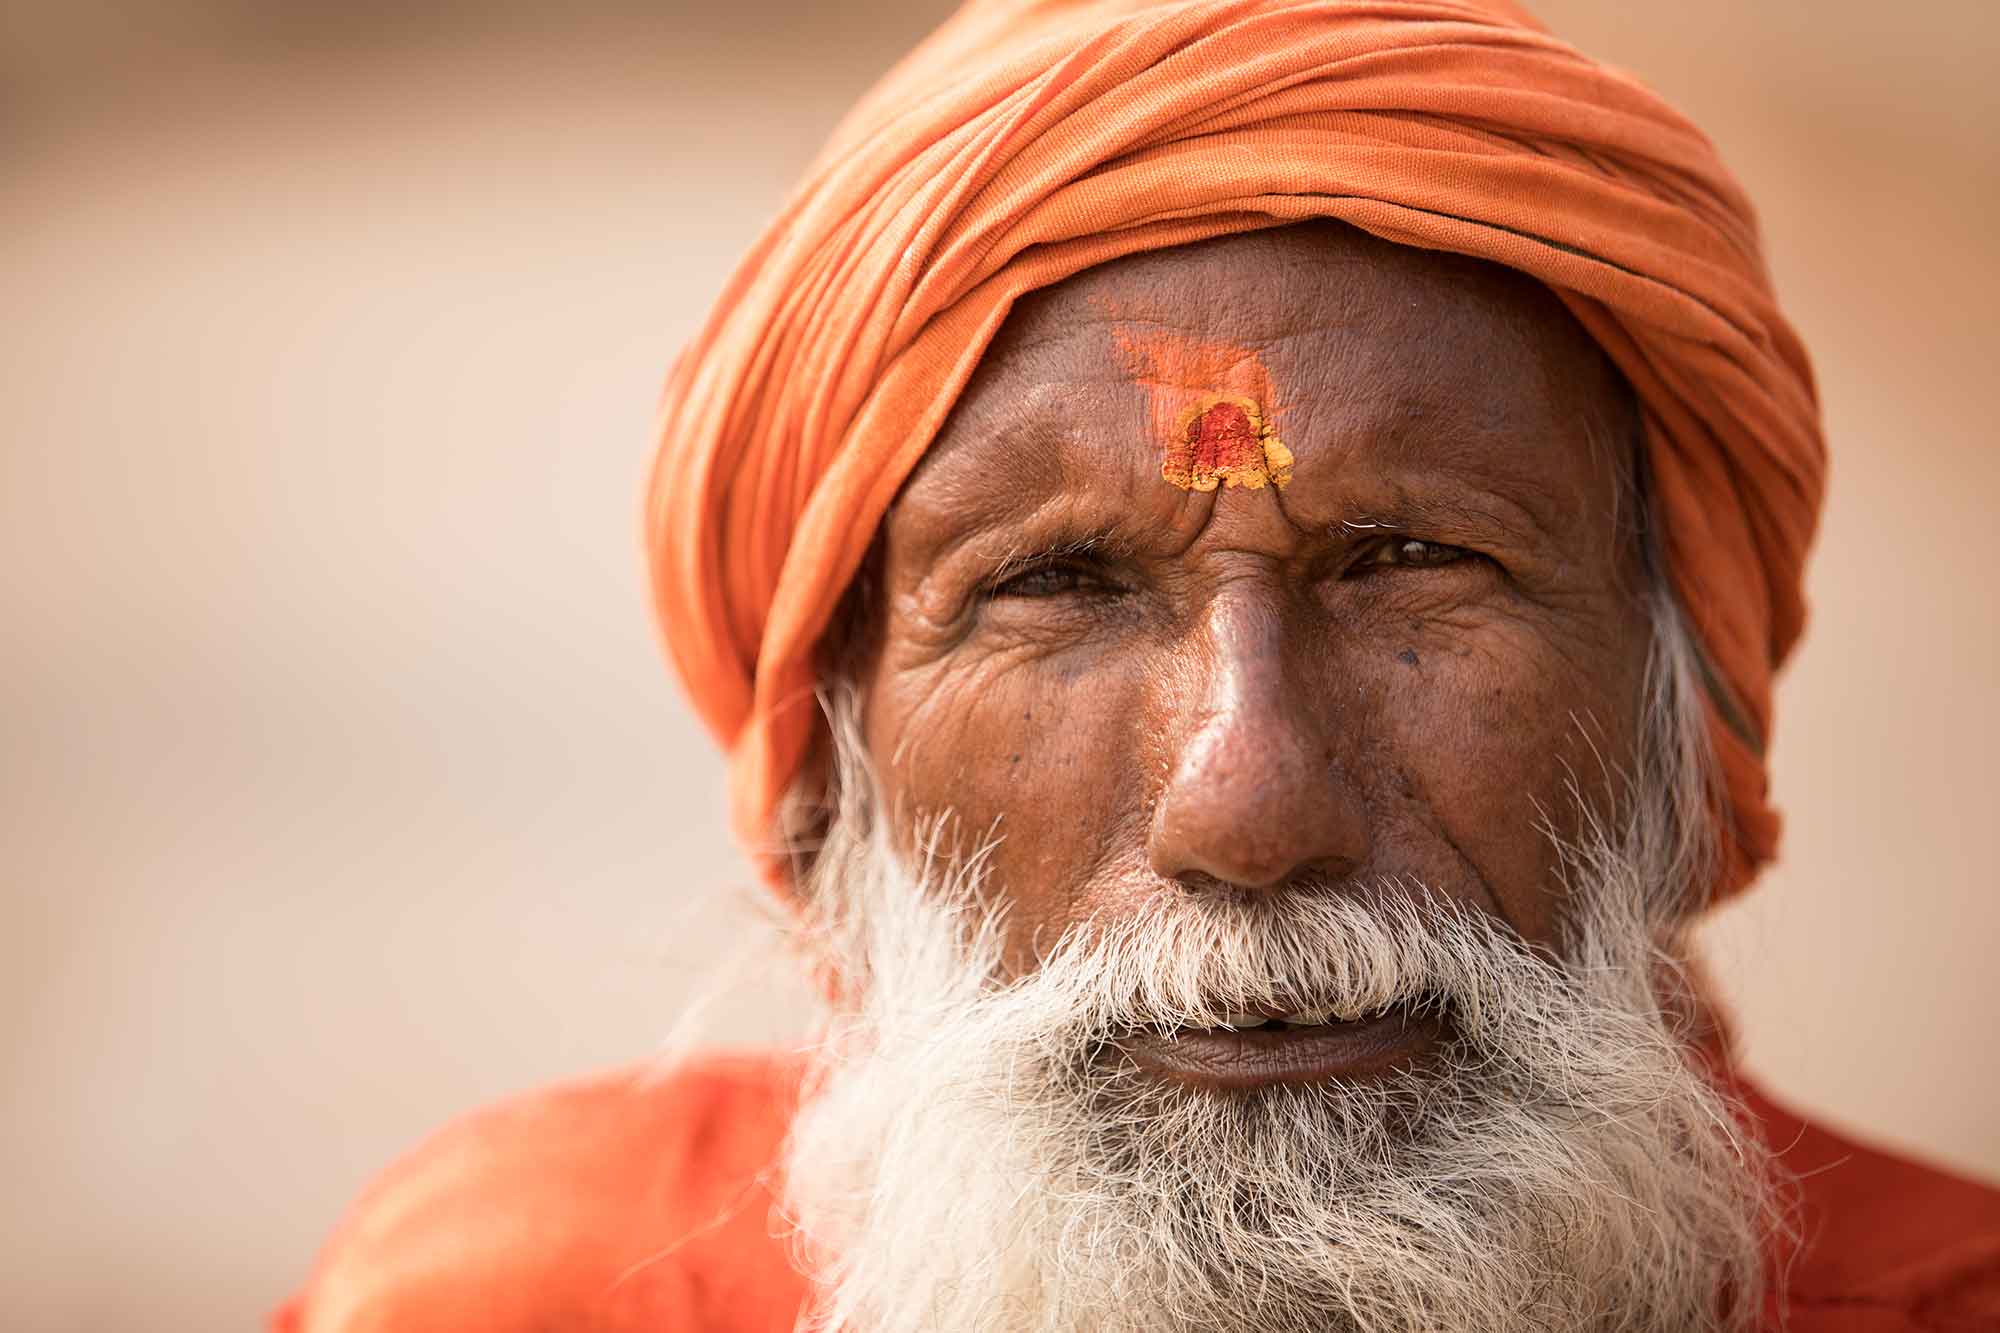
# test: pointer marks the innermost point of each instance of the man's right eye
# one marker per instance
(1044, 580)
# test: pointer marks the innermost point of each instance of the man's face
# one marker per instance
(1366, 739)
(1412, 660)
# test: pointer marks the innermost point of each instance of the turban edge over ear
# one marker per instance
(1026, 141)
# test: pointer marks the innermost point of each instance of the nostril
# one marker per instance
(1314, 882)
(1201, 884)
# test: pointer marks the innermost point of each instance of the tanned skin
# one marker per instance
(1144, 689)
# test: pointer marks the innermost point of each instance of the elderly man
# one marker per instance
(1238, 549)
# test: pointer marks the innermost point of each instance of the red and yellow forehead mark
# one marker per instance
(1212, 407)
(1225, 441)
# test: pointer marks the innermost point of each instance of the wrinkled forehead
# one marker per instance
(1361, 354)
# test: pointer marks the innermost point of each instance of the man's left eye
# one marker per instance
(1410, 552)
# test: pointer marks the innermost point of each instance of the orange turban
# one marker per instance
(1028, 139)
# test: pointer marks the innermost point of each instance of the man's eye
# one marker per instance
(1051, 580)
(1409, 552)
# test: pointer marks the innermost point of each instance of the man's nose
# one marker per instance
(1253, 796)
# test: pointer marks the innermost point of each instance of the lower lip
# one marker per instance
(1258, 1057)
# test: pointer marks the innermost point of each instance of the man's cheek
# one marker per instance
(1041, 753)
(1489, 740)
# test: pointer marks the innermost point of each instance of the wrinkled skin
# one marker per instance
(1239, 690)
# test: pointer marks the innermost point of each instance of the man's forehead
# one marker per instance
(1335, 339)
(1257, 289)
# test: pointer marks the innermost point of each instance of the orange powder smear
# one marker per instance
(1211, 405)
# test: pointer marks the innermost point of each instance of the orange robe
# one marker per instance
(627, 1202)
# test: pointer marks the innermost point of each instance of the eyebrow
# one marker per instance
(1451, 515)
(1026, 557)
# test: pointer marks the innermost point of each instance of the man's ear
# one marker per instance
(802, 820)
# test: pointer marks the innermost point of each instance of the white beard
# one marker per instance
(968, 1158)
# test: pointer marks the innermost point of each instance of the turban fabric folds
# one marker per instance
(1024, 142)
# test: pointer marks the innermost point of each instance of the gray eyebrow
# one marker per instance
(1019, 557)
(1418, 511)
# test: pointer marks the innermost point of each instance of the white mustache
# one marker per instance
(1187, 961)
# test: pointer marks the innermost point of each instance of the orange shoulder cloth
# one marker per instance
(627, 1201)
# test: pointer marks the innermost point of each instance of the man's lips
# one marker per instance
(1284, 1053)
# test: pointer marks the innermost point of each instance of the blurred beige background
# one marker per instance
(344, 788)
